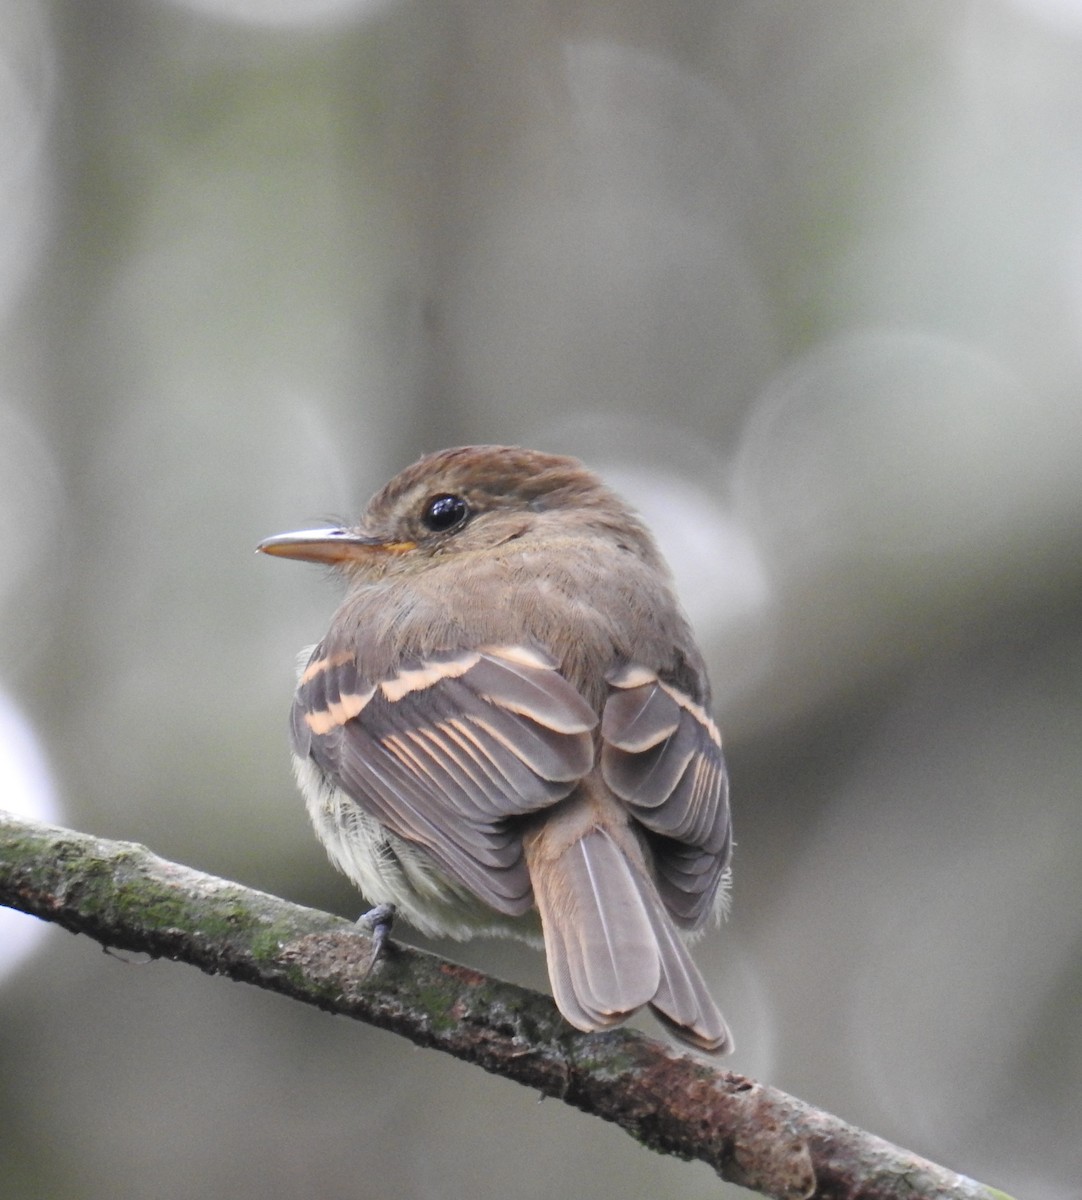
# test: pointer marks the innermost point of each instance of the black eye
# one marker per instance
(445, 512)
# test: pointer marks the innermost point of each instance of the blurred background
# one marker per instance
(804, 281)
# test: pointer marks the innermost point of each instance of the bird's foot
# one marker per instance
(377, 922)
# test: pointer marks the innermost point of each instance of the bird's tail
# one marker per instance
(611, 946)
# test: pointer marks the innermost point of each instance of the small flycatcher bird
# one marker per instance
(509, 720)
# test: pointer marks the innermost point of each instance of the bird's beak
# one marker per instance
(330, 546)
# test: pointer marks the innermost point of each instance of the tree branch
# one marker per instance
(123, 896)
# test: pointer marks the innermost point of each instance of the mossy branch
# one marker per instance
(123, 896)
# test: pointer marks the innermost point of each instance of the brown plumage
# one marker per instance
(509, 720)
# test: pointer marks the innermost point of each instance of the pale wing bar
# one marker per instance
(444, 752)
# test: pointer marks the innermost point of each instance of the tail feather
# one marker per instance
(682, 1000)
(611, 946)
(618, 967)
(564, 990)
(598, 939)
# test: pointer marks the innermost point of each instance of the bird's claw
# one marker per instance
(377, 921)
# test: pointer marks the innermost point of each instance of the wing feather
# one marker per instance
(447, 751)
(661, 754)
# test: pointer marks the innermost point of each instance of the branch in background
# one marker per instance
(125, 897)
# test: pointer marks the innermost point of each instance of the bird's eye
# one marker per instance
(443, 513)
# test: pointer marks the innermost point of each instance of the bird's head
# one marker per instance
(470, 500)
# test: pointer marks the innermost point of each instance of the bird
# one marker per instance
(507, 730)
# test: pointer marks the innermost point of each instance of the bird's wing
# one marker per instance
(661, 754)
(445, 751)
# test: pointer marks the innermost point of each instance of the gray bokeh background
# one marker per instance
(804, 280)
